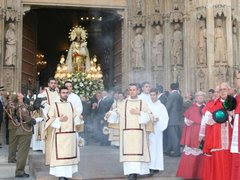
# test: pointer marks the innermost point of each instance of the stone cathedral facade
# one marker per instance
(193, 42)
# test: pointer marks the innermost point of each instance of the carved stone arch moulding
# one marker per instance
(156, 19)
(201, 13)
(220, 10)
(138, 21)
(176, 17)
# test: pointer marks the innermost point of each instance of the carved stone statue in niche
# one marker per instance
(157, 48)
(235, 43)
(177, 45)
(220, 42)
(138, 49)
(10, 55)
(202, 43)
(139, 7)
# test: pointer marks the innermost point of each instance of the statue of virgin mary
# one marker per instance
(78, 55)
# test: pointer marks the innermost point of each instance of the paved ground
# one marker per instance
(97, 162)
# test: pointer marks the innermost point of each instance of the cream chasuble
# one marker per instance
(161, 118)
(134, 151)
(51, 96)
(63, 161)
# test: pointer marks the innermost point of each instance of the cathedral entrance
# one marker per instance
(46, 41)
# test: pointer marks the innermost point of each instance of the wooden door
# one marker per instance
(29, 50)
(118, 55)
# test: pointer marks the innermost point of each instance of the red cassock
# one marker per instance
(220, 160)
(191, 162)
(236, 156)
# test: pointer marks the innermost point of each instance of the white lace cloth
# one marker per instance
(192, 151)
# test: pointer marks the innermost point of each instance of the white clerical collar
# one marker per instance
(175, 91)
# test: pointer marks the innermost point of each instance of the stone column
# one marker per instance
(1, 40)
(13, 23)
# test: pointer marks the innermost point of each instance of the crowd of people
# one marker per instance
(145, 122)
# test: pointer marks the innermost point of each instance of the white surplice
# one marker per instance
(145, 97)
(76, 102)
(156, 138)
(38, 144)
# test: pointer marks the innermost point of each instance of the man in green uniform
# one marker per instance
(13, 124)
(24, 135)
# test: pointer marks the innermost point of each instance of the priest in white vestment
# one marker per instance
(145, 96)
(160, 116)
(63, 119)
(135, 120)
(38, 143)
(77, 104)
(114, 132)
(51, 95)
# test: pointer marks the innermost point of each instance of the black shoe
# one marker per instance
(24, 175)
(61, 178)
(132, 177)
(12, 161)
(151, 172)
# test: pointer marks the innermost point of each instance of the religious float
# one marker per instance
(83, 72)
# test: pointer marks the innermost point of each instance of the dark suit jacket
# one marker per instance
(163, 99)
(103, 107)
(175, 108)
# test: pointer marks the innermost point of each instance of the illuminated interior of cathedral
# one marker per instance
(49, 38)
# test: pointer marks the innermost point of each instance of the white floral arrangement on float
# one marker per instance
(82, 85)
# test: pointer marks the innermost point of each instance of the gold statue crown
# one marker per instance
(78, 31)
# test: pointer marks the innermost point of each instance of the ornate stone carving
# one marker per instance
(8, 78)
(138, 21)
(235, 18)
(220, 45)
(11, 12)
(221, 74)
(201, 13)
(220, 10)
(11, 40)
(235, 44)
(137, 45)
(156, 19)
(139, 7)
(201, 80)
(2, 13)
(177, 45)
(176, 17)
(157, 48)
(157, 6)
(177, 74)
(202, 43)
